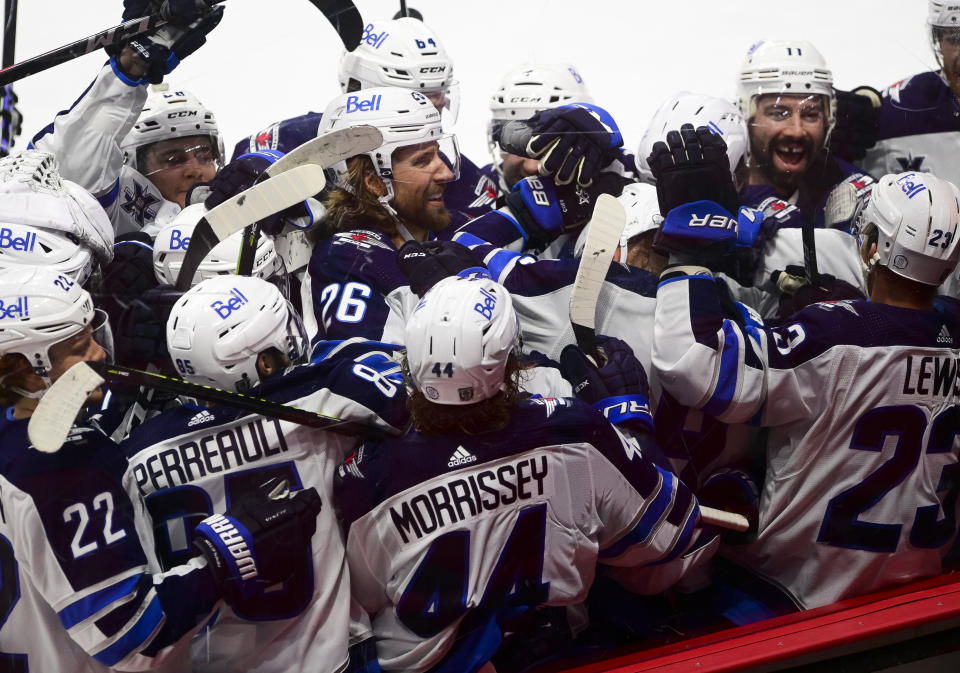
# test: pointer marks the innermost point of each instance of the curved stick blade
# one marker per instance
(58, 408)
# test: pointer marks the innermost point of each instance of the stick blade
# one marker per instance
(603, 239)
(330, 148)
(722, 519)
(58, 408)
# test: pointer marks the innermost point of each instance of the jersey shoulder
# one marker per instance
(362, 254)
(283, 135)
(917, 105)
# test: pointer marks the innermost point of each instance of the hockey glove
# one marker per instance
(797, 292)
(703, 233)
(128, 275)
(179, 12)
(692, 166)
(544, 211)
(618, 389)
(260, 540)
(574, 141)
(858, 123)
(733, 490)
(141, 332)
(426, 264)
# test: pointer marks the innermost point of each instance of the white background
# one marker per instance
(272, 59)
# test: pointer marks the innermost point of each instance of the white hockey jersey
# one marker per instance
(446, 535)
(189, 462)
(861, 399)
(86, 141)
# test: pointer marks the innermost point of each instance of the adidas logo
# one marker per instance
(944, 337)
(461, 457)
(203, 417)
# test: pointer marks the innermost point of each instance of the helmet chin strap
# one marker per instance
(391, 211)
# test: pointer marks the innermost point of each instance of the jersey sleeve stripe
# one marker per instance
(499, 262)
(648, 521)
(726, 384)
(683, 541)
(468, 239)
(88, 606)
(149, 622)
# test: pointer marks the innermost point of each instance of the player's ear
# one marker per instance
(373, 183)
(268, 364)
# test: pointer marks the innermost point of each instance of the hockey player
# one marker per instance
(402, 52)
(842, 511)
(522, 93)
(50, 222)
(143, 153)
(496, 504)
(78, 592)
(238, 333)
(785, 92)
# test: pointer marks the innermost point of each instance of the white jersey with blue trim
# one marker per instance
(861, 399)
(447, 533)
(77, 594)
(189, 462)
(86, 141)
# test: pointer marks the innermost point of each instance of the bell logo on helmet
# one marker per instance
(375, 40)
(486, 305)
(19, 310)
(178, 241)
(225, 307)
(911, 185)
(354, 104)
(11, 242)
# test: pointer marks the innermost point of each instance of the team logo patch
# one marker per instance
(139, 204)
(361, 239)
(486, 192)
(267, 139)
(431, 392)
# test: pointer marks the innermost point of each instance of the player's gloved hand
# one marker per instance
(703, 233)
(545, 211)
(574, 141)
(857, 123)
(618, 389)
(140, 335)
(426, 264)
(692, 166)
(732, 489)
(797, 292)
(128, 275)
(180, 12)
(161, 51)
(260, 540)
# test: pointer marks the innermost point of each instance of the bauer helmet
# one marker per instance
(405, 53)
(169, 114)
(219, 327)
(717, 114)
(943, 19)
(48, 221)
(404, 118)
(172, 241)
(789, 67)
(916, 220)
(459, 338)
(40, 307)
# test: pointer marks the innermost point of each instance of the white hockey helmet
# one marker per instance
(404, 53)
(218, 327)
(791, 67)
(943, 17)
(917, 218)
(718, 114)
(169, 114)
(404, 118)
(639, 200)
(48, 221)
(458, 340)
(39, 308)
(172, 241)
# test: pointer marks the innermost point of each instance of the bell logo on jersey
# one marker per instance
(20, 310)
(486, 305)
(10, 242)
(911, 185)
(375, 40)
(178, 241)
(354, 104)
(227, 306)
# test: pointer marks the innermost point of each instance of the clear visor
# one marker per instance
(102, 333)
(784, 108)
(202, 153)
(438, 159)
(447, 101)
(297, 344)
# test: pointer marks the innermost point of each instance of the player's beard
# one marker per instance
(787, 181)
(419, 211)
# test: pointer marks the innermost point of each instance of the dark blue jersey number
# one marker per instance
(841, 526)
(176, 512)
(437, 595)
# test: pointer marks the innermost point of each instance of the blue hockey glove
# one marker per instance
(260, 540)
(704, 233)
(426, 264)
(618, 389)
(545, 211)
(574, 141)
(692, 166)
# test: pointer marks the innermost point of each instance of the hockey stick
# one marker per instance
(342, 14)
(325, 151)
(722, 519)
(603, 239)
(9, 114)
(54, 416)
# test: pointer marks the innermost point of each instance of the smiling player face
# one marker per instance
(786, 132)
